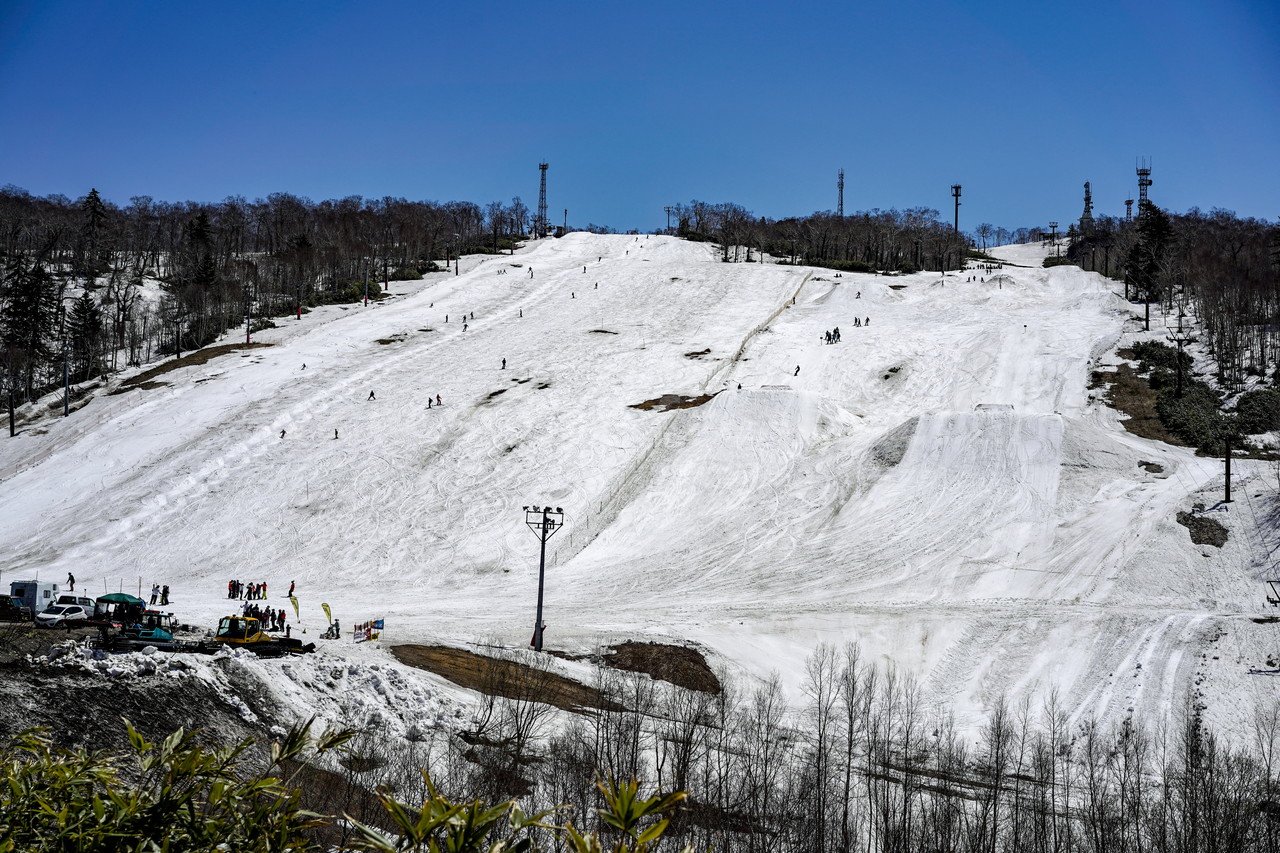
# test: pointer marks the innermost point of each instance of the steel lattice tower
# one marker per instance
(1144, 181)
(840, 194)
(541, 227)
(1128, 210)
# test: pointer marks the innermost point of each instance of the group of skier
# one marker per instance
(833, 336)
(159, 595)
(272, 619)
(246, 591)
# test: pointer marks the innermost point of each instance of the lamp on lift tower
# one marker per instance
(544, 522)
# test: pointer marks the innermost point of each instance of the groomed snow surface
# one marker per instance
(940, 486)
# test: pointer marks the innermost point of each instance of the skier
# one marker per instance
(464, 327)
(282, 433)
(335, 435)
(164, 594)
(859, 296)
(71, 581)
(304, 365)
(291, 585)
(473, 315)
(155, 592)
(584, 269)
(428, 402)
(371, 397)
(797, 373)
(504, 364)
(521, 312)
(530, 272)
(739, 386)
(867, 322)
(231, 589)
(572, 295)
(438, 403)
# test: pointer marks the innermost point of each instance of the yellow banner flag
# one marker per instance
(328, 614)
(293, 599)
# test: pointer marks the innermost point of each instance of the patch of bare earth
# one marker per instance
(201, 356)
(507, 678)
(1127, 392)
(681, 666)
(667, 402)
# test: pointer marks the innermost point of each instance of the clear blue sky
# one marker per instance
(640, 105)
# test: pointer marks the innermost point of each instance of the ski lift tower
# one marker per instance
(1181, 337)
(544, 523)
(541, 227)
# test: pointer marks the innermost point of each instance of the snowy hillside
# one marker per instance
(939, 485)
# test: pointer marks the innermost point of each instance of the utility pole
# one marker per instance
(1227, 498)
(564, 229)
(544, 523)
(66, 377)
(955, 193)
(840, 194)
(1180, 337)
(668, 210)
(1054, 227)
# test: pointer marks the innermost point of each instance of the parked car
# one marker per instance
(73, 598)
(61, 615)
(13, 610)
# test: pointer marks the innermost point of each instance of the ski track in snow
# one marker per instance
(940, 486)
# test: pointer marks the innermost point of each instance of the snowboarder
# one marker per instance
(859, 296)
(797, 373)
(428, 402)
(597, 287)
(164, 594)
(867, 322)
(71, 581)
(739, 386)
(290, 595)
(473, 315)
(530, 272)
(304, 365)
(584, 269)
(282, 433)
(572, 295)
(371, 397)
(438, 403)
(521, 312)
(464, 327)
(504, 364)
(335, 435)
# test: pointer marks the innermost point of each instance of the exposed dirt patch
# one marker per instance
(897, 287)
(497, 393)
(1151, 467)
(394, 339)
(200, 356)
(508, 678)
(601, 332)
(1128, 393)
(698, 354)
(1204, 531)
(667, 402)
(541, 386)
(681, 666)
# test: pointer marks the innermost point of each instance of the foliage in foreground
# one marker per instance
(179, 796)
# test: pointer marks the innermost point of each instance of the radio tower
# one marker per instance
(955, 193)
(1128, 210)
(1086, 218)
(1144, 181)
(540, 227)
(840, 194)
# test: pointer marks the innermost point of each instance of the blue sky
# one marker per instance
(636, 106)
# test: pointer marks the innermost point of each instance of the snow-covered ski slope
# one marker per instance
(939, 486)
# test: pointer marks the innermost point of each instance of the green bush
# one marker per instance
(1194, 417)
(1258, 411)
(1153, 354)
(181, 797)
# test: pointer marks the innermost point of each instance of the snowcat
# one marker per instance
(246, 632)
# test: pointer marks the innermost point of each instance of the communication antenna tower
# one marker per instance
(840, 194)
(1128, 210)
(540, 228)
(1144, 181)
(955, 193)
(1086, 218)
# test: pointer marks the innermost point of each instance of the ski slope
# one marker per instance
(940, 486)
